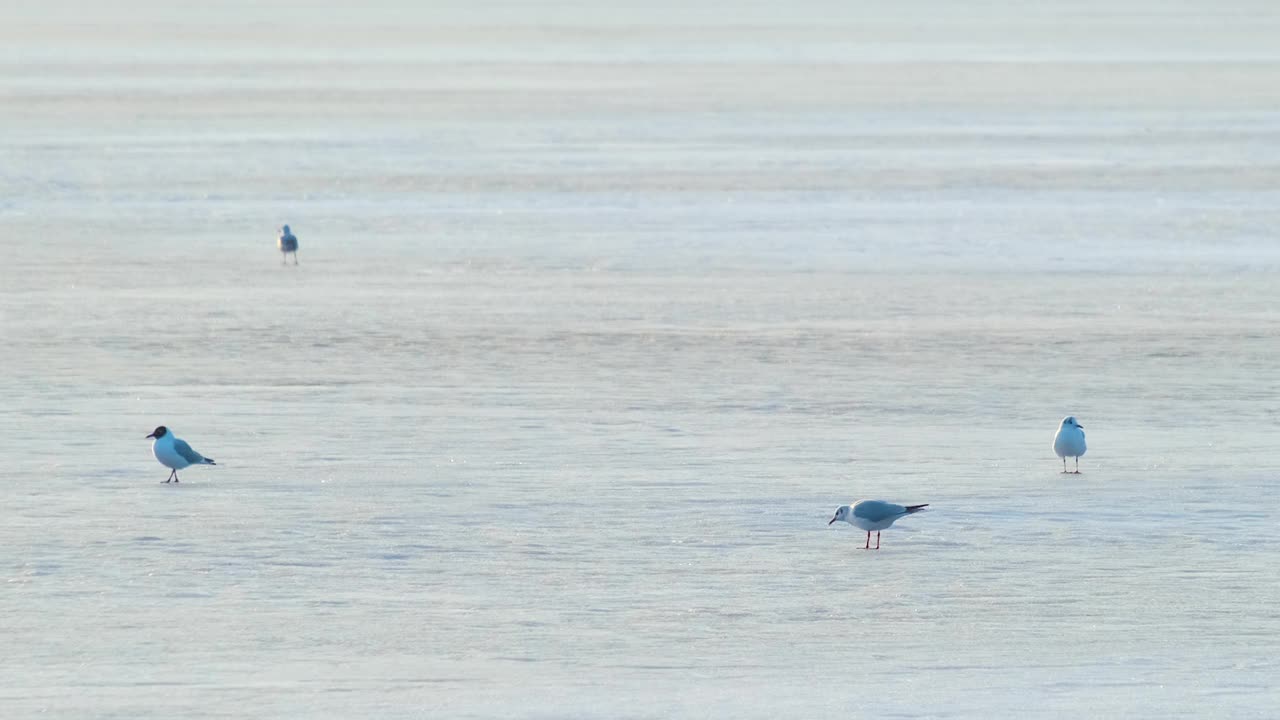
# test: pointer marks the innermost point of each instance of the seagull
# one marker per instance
(288, 243)
(174, 453)
(1069, 442)
(873, 515)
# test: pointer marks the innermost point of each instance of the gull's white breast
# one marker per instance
(1069, 442)
(167, 454)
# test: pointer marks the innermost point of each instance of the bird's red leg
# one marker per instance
(877, 540)
(868, 545)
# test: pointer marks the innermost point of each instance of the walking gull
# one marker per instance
(174, 453)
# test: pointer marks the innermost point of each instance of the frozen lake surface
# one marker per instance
(602, 310)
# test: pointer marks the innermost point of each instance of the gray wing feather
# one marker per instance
(877, 510)
(185, 451)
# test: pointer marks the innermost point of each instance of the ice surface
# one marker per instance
(602, 310)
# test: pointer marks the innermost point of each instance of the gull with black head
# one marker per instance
(288, 243)
(174, 452)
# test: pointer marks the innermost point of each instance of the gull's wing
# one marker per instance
(185, 451)
(877, 510)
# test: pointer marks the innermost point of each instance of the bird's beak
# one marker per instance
(151, 435)
(1079, 426)
(831, 521)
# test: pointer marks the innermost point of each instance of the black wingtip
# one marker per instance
(916, 508)
(210, 461)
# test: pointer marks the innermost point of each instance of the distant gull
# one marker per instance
(175, 453)
(1069, 442)
(288, 243)
(874, 515)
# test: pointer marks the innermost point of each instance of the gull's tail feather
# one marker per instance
(916, 508)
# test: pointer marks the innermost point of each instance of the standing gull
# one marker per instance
(288, 243)
(1069, 442)
(174, 453)
(873, 515)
